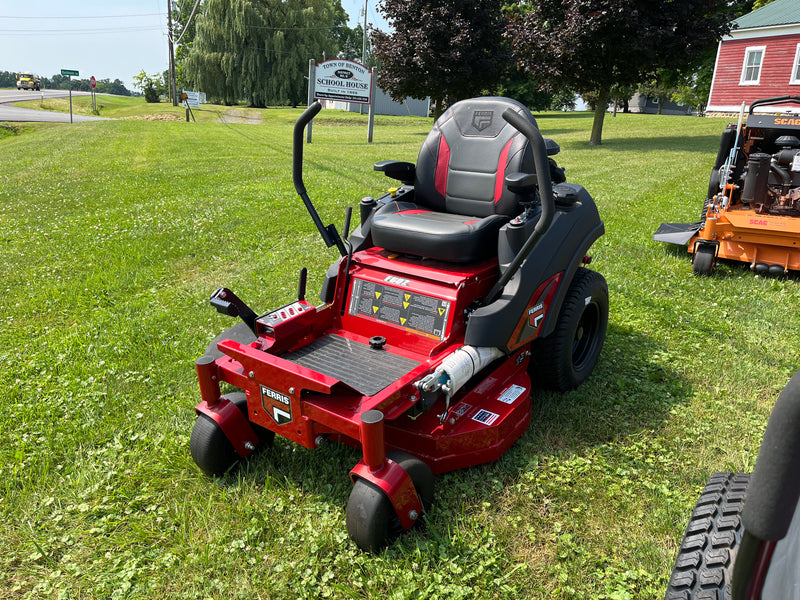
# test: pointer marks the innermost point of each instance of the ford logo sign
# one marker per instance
(344, 74)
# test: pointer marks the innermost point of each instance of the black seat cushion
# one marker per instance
(411, 229)
(460, 199)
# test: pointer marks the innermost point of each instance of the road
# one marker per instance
(15, 113)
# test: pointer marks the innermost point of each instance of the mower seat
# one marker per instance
(460, 200)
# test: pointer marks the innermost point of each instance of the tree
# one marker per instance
(259, 49)
(443, 49)
(591, 45)
(150, 85)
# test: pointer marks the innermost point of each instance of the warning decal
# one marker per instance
(485, 417)
(511, 394)
(402, 307)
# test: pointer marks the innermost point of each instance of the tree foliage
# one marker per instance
(591, 45)
(61, 82)
(443, 49)
(259, 50)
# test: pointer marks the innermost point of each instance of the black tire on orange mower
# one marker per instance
(704, 565)
(703, 262)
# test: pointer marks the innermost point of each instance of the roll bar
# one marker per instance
(542, 165)
(329, 234)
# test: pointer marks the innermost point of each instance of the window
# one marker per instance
(795, 79)
(751, 70)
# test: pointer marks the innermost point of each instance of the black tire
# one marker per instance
(371, 519)
(704, 259)
(239, 333)
(564, 359)
(704, 565)
(210, 448)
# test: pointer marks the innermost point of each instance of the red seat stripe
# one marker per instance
(442, 166)
(501, 172)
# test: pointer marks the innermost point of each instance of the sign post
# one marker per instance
(312, 69)
(93, 83)
(68, 73)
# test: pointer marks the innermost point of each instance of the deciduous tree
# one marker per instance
(259, 49)
(440, 48)
(590, 45)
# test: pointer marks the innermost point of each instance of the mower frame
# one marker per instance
(401, 359)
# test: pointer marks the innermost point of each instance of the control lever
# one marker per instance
(228, 303)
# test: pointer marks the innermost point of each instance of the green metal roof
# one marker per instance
(778, 12)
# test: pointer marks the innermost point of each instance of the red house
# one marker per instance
(759, 59)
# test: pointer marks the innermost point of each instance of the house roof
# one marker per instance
(778, 12)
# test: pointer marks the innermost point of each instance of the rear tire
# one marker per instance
(704, 565)
(704, 259)
(564, 359)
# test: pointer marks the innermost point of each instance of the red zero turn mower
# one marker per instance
(458, 290)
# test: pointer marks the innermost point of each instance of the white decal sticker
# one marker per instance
(485, 417)
(511, 394)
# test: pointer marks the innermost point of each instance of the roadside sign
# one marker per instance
(192, 98)
(343, 80)
(69, 72)
(93, 81)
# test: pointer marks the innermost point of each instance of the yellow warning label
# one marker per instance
(377, 295)
(405, 304)
(403, 320)
(407, 297)
(441, 311)
(375, 309)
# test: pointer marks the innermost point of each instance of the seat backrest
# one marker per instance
(466, 156)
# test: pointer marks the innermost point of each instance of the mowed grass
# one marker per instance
(115, 233)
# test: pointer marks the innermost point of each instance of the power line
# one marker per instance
(40, 18)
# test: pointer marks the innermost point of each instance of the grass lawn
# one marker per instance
(114, 234)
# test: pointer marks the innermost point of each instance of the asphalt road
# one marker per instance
(15, 113)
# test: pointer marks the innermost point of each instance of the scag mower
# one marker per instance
(458, 289)
(752, 209)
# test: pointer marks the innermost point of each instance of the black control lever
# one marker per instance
(228, 303)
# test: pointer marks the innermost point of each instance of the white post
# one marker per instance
(372, 104)
(69, 84)
(312, 70)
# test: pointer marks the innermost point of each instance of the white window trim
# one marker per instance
(794, 78)
(747, 52)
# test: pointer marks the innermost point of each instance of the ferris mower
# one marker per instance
(459, 289)
(752, 210)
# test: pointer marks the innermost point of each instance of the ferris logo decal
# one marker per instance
(481, 119)
(786, 121)
(535, 315)
(277, 405)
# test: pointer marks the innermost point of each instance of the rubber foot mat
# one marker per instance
(363, 368)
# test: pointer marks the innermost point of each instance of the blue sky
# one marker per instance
(112, 39)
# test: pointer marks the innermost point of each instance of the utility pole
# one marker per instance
(173, 94)
(364, 44)
(364, 50)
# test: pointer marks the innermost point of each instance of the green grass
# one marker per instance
(114, 234)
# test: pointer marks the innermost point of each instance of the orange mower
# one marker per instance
(752, 210)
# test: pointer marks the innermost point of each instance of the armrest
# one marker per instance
(521, 183)
(404, 172)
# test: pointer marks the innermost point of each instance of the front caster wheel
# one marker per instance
(371, 520)
(704, 260)
(210, 447)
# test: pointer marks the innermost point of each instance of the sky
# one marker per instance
(107, 39)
